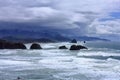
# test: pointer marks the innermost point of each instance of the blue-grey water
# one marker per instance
(100, 62)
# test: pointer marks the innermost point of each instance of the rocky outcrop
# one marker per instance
(19, 46)
(11, 45)
(77, 47)
(81, 47)
(74, 41)
(63, 47)
(35, 46)
(2, 44)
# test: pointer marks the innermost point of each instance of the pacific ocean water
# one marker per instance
(100, 62)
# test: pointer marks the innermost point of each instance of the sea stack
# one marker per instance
(74, 41)
(63, 47)
(19, 46)
(77, 47)
(84, 41)
(11, 45)
(35, 46)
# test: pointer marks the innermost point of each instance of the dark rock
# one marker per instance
(35, 46)
(84, 41)
(74, 47)
(19, 46)
(11, 45)
(8, 45)
(77, 47)
(18, 78)
(81, 47)
(63, 47)
(74, 41)
(2, 44)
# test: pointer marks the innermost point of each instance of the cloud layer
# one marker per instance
(88, 17)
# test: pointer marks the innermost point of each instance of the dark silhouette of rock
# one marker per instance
(2, 44)
(74, 47)
(18, 78)
(35, 46)
(77, 47)
(74, 41)
(84, 41)
(11, 45)
(81, 47)
(19, 46)
(63, 47)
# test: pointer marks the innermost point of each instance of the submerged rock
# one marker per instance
(63, 47)
(77, 47)
(74, 41)
(18, 78)
(35, 46)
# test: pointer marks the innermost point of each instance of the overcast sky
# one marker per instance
(83, 17)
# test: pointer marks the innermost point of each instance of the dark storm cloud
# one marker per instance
(80, 17)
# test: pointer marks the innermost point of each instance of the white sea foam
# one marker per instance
(11, 62)
(54, 64)
(100, 53)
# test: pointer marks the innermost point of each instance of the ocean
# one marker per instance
(100, 62)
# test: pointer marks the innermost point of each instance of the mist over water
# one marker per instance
(100, 62)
